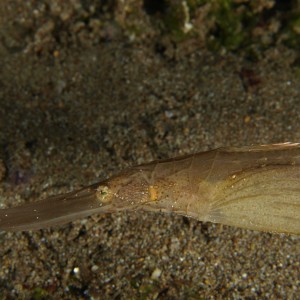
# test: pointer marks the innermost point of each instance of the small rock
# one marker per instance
(95, 268)
(156, 274)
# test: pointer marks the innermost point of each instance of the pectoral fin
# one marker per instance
(266, 199)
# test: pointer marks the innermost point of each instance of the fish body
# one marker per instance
(256, 187)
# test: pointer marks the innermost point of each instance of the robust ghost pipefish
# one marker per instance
(255, 187)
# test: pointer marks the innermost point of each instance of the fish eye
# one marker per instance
(103, 193)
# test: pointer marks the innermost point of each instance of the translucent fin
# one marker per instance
(266, 199)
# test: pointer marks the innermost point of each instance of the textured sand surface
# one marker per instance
(79, 114)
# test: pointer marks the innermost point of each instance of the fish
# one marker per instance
(251, 187)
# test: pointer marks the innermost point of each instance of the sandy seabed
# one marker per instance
(82, 113)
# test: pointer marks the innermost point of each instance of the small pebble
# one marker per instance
(95, 268)
(156, 274)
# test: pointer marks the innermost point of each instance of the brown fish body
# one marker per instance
(251, 187)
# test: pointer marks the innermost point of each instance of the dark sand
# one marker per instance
(77, 114)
